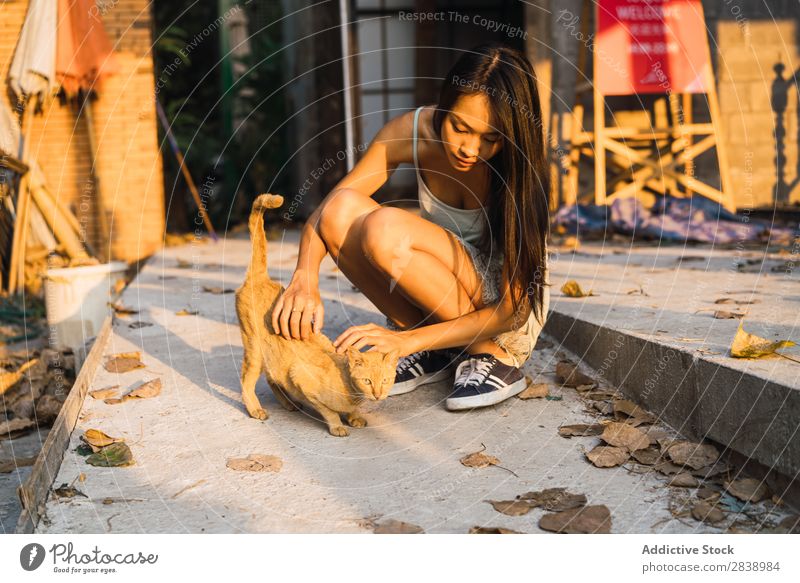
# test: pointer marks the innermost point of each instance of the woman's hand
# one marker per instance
(381, 339)
(296, 307)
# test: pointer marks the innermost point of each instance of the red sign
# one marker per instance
(651, 46)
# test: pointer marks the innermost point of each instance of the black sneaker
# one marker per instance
(421, 368)
(483, 380)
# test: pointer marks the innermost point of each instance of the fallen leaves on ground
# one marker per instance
(139, 324)
(256, 463)
(746, 345)
(115, 455)
(625, 436)
(585, 520)
(491, 530)
(511, 507)
(705, 512)
(726, 315)
(734, 301)
(123, 362)
(554, 499)
(572, 289)
(97, 439)
(628, 410)
(606, 456)
(9, 379)
(668, 468)
(12, 428)
(568, 375)
(187, 312)
(67, 491)
(146, 390)
(684, 480)
(8, 466)
(104, 393)
(534, 391)
(479, 459)
(122, 310)
(748, 489)
(647, 457)
(392, 526)
(183, 264)
(580, 430)
(216, 290)
(694, 455)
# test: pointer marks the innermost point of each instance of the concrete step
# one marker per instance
(650, 330)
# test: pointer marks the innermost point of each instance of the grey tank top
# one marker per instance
(466, 223)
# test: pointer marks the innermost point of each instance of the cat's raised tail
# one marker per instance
(258, 238)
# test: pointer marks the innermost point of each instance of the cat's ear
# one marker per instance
(353, 354)
(391, 355)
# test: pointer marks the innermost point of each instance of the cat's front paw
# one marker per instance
(339, 431)
(260, 414)
(356, 421)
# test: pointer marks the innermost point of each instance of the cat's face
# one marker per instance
(372, 373)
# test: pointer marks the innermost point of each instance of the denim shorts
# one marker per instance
(520, 341)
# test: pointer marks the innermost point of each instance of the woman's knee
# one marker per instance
(382, 241)
(339, 213)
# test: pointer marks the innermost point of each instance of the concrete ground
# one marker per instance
(404, 465)
(651, 330)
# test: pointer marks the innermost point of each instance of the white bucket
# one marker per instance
(77, 299)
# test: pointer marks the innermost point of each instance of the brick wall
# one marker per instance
(128, 162)
(753, 41)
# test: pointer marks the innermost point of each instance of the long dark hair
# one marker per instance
(517, 207)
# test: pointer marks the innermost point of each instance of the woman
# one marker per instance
(470, 270)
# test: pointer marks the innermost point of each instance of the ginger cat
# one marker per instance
(305, 370)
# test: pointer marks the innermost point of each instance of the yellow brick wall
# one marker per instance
(746, 56)
(128, 164)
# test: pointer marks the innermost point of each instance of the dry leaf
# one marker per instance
(185, 312)
(104, 393)
(392, 526)
(8, 466)
(491, 530)
(9, 429)
(705, 512)
(479, 460)
(122, 310)
(139, 324)
(626, 408)
(623, 435)
(151, 388)
(568, 375)
(711, 471)
(511, 507)
(554, 499)
(572, 289)
(726, 315)
(667, 468)
(113, 401)
(218, 290)
(183, 264)
(737, 302)
(603, 407)
(746, 345)
(534, 391)
(748, 489)
(707, 493)
(694, 455)
(580, 430)
(684, 480)
(98, 439)
(256, 463)
(115, 455)
(647, 457)
(604, 456)
(123, 362)
(586, 520)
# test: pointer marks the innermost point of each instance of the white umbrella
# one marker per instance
(33, 70)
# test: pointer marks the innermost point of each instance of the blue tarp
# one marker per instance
(696, 219)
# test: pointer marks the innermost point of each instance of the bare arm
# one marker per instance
(387, 150)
